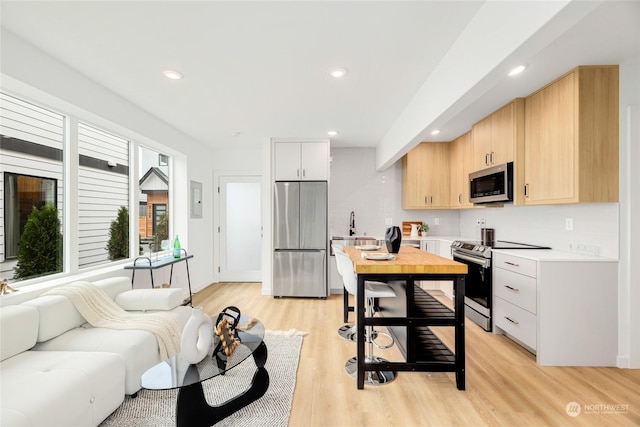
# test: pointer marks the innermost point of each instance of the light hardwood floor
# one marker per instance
(504, 385)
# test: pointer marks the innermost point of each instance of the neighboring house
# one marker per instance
(154, 201)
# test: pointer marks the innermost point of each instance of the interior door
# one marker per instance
(240, 229)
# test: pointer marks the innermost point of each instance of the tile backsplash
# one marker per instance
(374, 196)
(594, 226)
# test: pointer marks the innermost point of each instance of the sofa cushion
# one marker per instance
(60, 388)
(18, 329)
(113, 286)
(149, 299)
(57, 316)
(138, 349)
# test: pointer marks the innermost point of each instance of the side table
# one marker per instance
(147, 263)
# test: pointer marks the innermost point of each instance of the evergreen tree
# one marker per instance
(162, 233)
(118, 244)
(40, 247)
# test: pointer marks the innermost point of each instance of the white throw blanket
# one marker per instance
(102, 312)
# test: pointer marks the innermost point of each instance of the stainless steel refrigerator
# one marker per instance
(300, 239)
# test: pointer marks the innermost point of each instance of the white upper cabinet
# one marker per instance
(301, 161)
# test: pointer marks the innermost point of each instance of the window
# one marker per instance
(154, 189)
(32, 142)
(33, 175)
(22, 194)
(103, 189)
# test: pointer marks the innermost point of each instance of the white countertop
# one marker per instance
(551, 255)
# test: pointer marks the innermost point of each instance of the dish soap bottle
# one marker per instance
(176, 247)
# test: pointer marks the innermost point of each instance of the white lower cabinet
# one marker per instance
(517, 322)
(561, 306)
(441, 248)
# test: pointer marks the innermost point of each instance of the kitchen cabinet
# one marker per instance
(301, 161)
(496, 137)
(460, 166)
(425, 176)
(441, 248)
(431, 246)
(571, 139)
(560, 306)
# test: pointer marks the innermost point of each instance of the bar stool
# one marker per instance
(348, 331)
(373, 290)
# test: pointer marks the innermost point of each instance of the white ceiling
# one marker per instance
(260, 68)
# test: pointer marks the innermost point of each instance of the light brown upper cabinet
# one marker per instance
(425, 176)
(460, 165)
(571, 139)
(495, 137)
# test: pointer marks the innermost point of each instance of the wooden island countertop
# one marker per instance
(408, 260)
(409, 317)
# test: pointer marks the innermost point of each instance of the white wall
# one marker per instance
(629, 284)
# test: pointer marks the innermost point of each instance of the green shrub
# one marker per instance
(118, 244)
(40, 247)
(162, 233)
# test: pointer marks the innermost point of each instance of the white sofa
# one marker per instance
(56, 370)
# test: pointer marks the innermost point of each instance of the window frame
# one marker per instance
(7, 201)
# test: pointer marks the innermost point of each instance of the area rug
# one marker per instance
(153, 408)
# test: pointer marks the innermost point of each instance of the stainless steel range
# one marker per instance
(478, 284)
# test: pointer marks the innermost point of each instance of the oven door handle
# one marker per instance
(484, 262)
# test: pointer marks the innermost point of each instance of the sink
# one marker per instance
(355, 241)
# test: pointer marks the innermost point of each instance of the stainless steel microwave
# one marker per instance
(491, 185)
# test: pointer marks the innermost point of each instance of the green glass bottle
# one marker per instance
(176, 247)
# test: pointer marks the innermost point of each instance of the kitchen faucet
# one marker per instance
(352, 224)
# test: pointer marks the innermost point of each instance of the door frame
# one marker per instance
(217, 216)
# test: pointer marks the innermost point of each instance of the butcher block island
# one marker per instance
(409, 316)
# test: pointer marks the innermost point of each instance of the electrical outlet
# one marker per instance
(388, 221)
(436, 221)
(480, 221)
(568, 224)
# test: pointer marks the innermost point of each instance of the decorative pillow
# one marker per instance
(150, 299)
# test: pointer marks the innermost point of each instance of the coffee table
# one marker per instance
(192, 408)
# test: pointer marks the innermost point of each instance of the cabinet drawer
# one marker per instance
(515, 288)
(515, 321)
(516, 264)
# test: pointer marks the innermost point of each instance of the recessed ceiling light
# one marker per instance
(435, 132)
(172, 74)
(235, 133)
(338, 72)
(517, 70)
(332, 133)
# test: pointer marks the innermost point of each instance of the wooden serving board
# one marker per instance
(406, 227)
